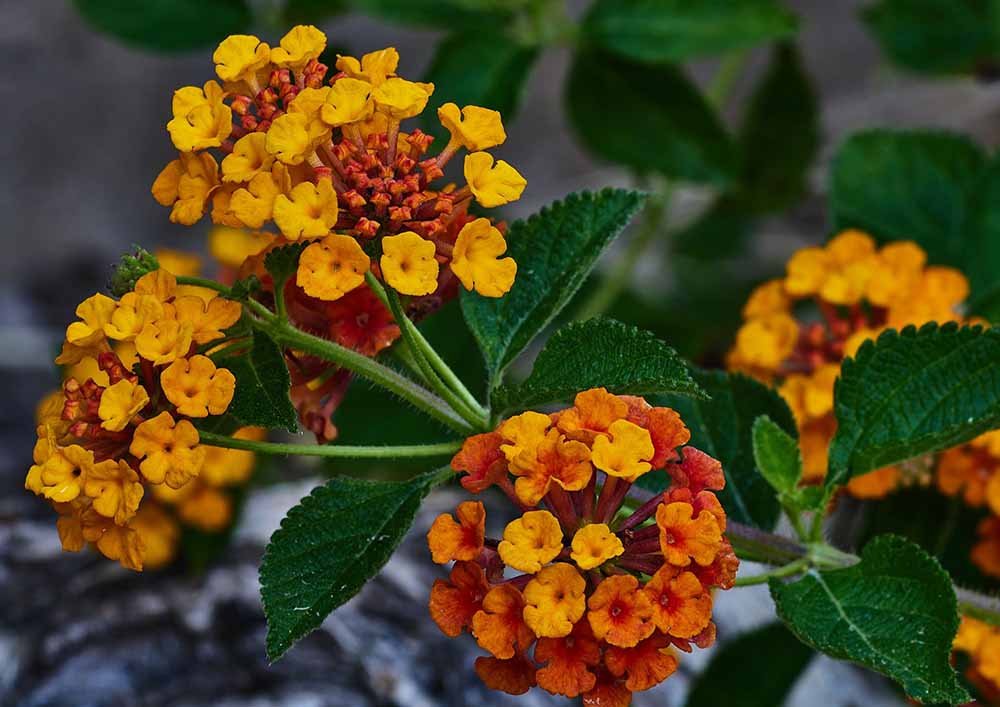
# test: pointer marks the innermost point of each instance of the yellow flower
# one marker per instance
(289, 139)
(197, 387)
(253, 205)
(302, 44)
(159, 534)
(160, 283)
(240, 56)
(94, 312)
(119, 404)
(524, 433)
(248, 159)
(206, 508)
(374, 67)
(309, 102)
(59, 473)
(531, 541)
(186, 184)
(767, 341)
(476, 259)
(164, 340)
(806, 272)
(309, 211)
(232, 246)
(769, 298)
(178, 262)
(115, 489)
(401, 99)
(897, 269)
(936, 297)
(349, 101)
(116, 542)
(134, 311)
(225, 467)
(169, 451)
(474, 128)
(554, 600)
(408, 263)
(207, 319)
(626, 455)
(331, 268)
(201, 119)
(595, 544)
(492, 185)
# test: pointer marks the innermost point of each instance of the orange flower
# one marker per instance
(608, 692)
(684, 537)
(463, 540)
(666, 429)
(483, 461)
(499, 626)
(875, 484)
(699, 471)
(558, 460)
(568, 662)
(555, 600)
(360, 321)
(523, 433)
(514, 676)
(722, 572)
(962, 470)
(681, 606)
(592, 413)
(455, 602)
(595, 544)
(531, 541)
(619, 613)
(647, 664)
(986, 553)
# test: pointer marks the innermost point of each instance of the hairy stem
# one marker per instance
(337, 451)
(788, 570)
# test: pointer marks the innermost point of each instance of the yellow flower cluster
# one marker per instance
(856, 290)
(121, 425)
(326, 160)
(981, 643)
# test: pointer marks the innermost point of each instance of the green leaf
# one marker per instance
(554, 250)
(599, 353)
(482, 69)
(776, 454)
(649, 118)
(894, 612)
(723, 427)
(733, 677)
(262, 384)
(167, 25)
(311, 11)
(283, 262)
(937, 36)
(452, 14)
(914, 392)
(328, 546)
(673, 31)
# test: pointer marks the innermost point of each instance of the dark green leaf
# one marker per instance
(723, 427)
(776, 454)
(452, 14)
(894, 612)
(312, 11)
(673, 31)
(721, 231)
(482, 69)
(914, 392)
(327, 547)
(167, 25)
(262, 384)
(937, 36)
(555, 250)
(283, 262)
(599, 353)
(649, 118)
(733, 677)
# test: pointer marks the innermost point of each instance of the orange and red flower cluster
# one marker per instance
(122, 424)
(981, 643)
(580, 596)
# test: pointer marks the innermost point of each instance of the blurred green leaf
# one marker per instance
(262, 384)
(450, 14)
(894, 612)
(167, 25)
(665, 31)
(312, 11)
(649, 118)
(599, 353)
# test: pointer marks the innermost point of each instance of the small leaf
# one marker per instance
(599, 353)
(283, 262)
(894, 612)
(130, 268)
(649, 118)
(733, 677)
(555, 250)
(723, 427)
(912, 393)
(167, 25)
(777, 456)
(673, 31)
(262, 384)
(328, 546)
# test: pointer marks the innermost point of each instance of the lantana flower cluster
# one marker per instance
(980, 643)
(580, 595)
(798, 329)
(121, 431)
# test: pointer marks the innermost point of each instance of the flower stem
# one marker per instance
(339, 451)
(799, 565)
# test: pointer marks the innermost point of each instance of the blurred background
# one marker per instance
(83, 139)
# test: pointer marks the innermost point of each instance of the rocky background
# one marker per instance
(82, 138)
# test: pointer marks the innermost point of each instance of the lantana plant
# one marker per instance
(642, 486)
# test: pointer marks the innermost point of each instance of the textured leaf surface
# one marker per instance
(723, 427)
(894, 612)
(283, 262)
(599, 353)
(262, 384)
(776, 454)
(555, 250)
(167, 25)
(327, 547)
(649, 118)
(734, 675)
(677, 30)
(914, 392)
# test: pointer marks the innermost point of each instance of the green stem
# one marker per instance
(725, 78)
(337, 451)
(203, 282)
(280, 308)
(788, 570)
(978, 606)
